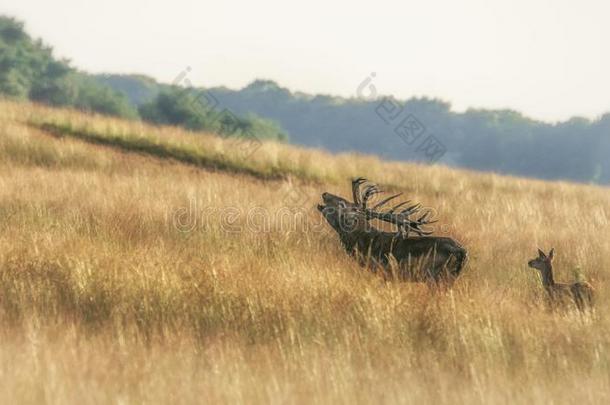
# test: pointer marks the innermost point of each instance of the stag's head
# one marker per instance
(345, 216)
(341, 214)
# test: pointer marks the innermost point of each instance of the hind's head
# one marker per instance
(543, 262)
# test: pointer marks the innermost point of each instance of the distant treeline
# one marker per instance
(491, 140)
(29, 71)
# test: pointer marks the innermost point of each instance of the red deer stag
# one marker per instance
(420, 258)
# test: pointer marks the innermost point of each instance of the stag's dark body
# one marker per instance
(417, 258)
(421, 258)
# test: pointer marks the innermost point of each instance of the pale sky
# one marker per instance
(546, 58)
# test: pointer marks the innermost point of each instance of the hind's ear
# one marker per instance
(541, 254)
(552, 253)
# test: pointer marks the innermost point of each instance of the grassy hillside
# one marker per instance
(143, 264)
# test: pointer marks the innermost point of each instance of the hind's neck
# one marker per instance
(547, 276)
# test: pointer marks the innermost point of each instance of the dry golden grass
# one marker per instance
(126, 278)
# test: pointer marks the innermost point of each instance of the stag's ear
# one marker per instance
(551, 254)
(541, 254)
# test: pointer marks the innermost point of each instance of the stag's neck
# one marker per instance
(348, 240)
(358, 240)
(547, 276)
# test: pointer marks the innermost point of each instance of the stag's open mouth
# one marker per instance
(325, 197)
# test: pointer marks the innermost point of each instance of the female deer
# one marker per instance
(581, 293)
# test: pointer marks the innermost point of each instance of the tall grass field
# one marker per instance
(144, 264)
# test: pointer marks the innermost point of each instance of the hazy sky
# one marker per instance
(548, 59)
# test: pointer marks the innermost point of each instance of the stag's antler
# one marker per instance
(356, 189)
(400, 218)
